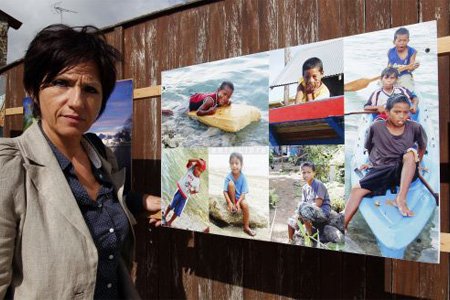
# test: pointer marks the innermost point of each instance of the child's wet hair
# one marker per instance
(227, 84)
(396, 98)
(388, 72)
(309, 165)
(401, 31)
(312, 63)
(238, 156)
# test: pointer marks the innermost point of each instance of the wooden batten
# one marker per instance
(14, 111)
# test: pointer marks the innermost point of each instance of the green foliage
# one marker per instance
(338, 204)
(270, 157)
(273, 198)
(321, 156)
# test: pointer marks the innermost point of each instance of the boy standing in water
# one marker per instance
(207, 103)
(315, 205)
(377, 101)
(403, 58)
(189, 184)
(395, 146)
(310, 86)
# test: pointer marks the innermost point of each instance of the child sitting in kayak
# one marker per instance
(403, 58)
(314, 209)
(189, 184)
(234, 190)
(310, 86)
(207, 103)
(395, 147)
(377, 101)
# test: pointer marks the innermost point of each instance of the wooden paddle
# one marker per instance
(362, 83)
(426, 184)
(359, 84)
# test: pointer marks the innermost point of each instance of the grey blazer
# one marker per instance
(46, 249)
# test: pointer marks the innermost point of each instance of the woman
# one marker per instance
(65, 228)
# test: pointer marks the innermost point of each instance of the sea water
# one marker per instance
(365, 56)
(250, 76)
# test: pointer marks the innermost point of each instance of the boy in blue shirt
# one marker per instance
(315, 205)
(403, 58)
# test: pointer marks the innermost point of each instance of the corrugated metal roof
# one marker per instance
(330, 52)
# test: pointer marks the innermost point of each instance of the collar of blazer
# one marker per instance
(45, 172)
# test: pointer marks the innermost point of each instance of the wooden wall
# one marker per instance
(182, 264)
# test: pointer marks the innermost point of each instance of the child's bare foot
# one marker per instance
(403, 208)
(248, 231)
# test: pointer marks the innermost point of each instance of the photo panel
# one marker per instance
(184, 188)
(307, 195)
(306, 94)
(217, 104)
(239, 191)
(392, 119)
(114, 127)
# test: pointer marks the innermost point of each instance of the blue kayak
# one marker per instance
(393, 231)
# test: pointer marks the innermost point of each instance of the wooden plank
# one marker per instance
(307, 20)
(268, 33)
(352, 17)
(286, 23)
(250, 40)
(14, 95)
(148, 92)
(404, 12)
(329, 14)
(378, 15)
(217, 31)
(444, 45)
(233, 28)
(14, 111)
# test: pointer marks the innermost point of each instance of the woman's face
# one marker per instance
(72, 101)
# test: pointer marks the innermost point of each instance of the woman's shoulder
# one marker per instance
(9, 148)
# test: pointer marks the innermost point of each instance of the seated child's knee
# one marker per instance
(409, 157)
(230, 185)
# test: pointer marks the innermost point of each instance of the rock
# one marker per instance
(336, 220)
(333, 234)
(218, 211)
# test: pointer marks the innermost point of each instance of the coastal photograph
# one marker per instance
(239, 192)
(217, 104)
(392, 176)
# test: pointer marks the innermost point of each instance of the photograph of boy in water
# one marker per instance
(207, 103)
(395, 148)
(403, 58)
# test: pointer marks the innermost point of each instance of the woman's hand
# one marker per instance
(152, 206)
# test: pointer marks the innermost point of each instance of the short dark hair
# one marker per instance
(58, 48)
(309, 165)
(238, 156)
(312, 63)
(396, 98)
(401, 31)
(389, 71)
(228, 84)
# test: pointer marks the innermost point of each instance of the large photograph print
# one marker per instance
(217, 104)
(332, 145)
(391, 141)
